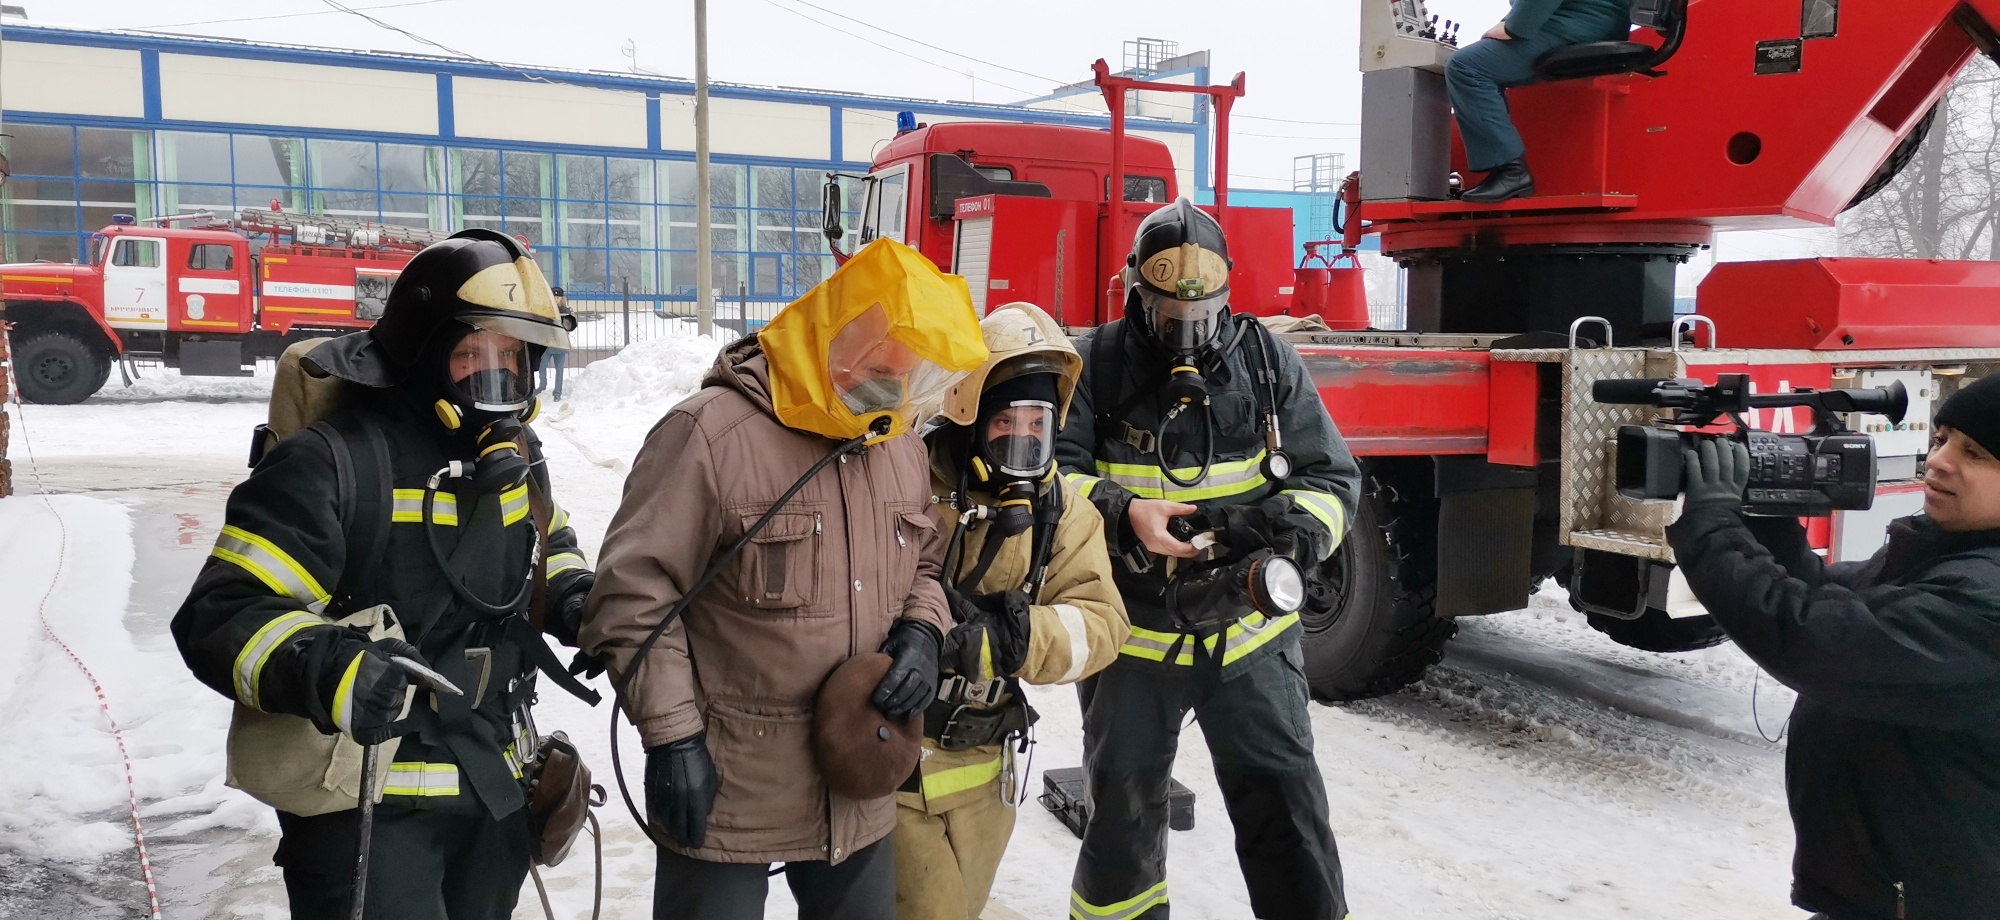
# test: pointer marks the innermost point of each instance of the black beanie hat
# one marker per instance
(1041, 386)
(1975, 411)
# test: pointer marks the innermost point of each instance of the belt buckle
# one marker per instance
(948, 738)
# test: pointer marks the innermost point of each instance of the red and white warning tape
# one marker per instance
(103, 703)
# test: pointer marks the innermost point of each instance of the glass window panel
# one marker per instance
(534, 231)
(628, 226)
(41, 150)
(774, 187)
(263, 160)
(629, 180)
(726, 186)
(774, 240)
(211, 257)
(479, 209)
(775, 219)
(476, 172)
(37, 247)
(680, 182)
(186, 157)
(533, 208)
(809, 271)
(42, 190)
(409, 168)
(352, 204)
(413, 211)
(94, 219)
(680, 274)
(633, 267)
(766, 276)
(104, 153)
(524, 175)
(725, 240)
(260, 197)
(52, 218)
(133, 252)
(584, 270)
(342, 164)
(124, 193)
(182, 199)
(583, 178)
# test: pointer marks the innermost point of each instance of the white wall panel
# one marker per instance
(862, 131)
(520, 110)
(200, 88)
(72, 80)
(752, 127)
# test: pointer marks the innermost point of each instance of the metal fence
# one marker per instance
(608, 322)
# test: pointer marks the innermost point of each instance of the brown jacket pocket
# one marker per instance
(780, 570)
(765, 800)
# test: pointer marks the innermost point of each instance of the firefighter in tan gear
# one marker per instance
(1029, 581)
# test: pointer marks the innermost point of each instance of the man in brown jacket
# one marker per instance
(724, 701)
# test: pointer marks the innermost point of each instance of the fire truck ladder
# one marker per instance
(321, 229)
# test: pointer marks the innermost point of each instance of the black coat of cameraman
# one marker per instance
(1894, 766)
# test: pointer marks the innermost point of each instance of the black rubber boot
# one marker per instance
(1507, 180)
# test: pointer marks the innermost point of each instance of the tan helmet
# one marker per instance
(1020, 339)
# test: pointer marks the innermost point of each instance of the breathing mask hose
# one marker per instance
(451, 579)
(714, 569)
(1185, 389)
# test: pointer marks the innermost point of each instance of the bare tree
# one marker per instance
(1946, 201)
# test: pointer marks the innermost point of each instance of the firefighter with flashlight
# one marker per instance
(1201, 439)
(1032, 600)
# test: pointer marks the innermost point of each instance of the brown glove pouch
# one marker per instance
(560, 796)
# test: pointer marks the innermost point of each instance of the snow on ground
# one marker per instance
(1540, 772)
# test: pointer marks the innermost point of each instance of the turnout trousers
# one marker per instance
(1260, 739)
(946, 862)
(862, 887)
(422, 865)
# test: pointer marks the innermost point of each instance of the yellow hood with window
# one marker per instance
(928, 312)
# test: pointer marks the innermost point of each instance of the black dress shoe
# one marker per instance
(1507, 180)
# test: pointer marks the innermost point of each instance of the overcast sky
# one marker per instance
(1300, 65)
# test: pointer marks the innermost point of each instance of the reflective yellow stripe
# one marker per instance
(409, 507)
(1153, 646)
(959, 779)
(513, 760)
(1082, 482)
(272, 566)
(1223, 480)
(1326, 507)
(343, 696)
(422, 779)
(1079, 909)
(558, 519)
(563, 562)
(513, 505)
(1250, 634)
(250, 661)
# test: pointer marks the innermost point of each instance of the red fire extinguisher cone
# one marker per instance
(1339, 294)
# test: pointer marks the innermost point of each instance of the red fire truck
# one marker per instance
(209, 297)
(1488, 466)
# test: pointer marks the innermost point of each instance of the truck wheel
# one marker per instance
(1655, 631)
(1371, 624)
(58, 367)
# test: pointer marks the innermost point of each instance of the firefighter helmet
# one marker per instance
(1177, 277)
(1020, 340)
(480, 278)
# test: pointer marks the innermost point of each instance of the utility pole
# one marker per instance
(704, 248)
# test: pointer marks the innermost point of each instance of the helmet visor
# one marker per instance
(489, 372)
(1182, 326)
(872, 371)
(1020, 439)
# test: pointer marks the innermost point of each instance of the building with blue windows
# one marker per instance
(594, 169)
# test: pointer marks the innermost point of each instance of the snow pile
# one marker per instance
(66, 795)
(609, 406)
(160, 384)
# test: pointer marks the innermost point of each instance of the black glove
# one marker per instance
(566, 622)
(1212, 593)
(1717, 473)
(364, 692)
(991, 638)
(680, 789)
(912, 681)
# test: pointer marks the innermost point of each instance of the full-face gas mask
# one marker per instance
(1014, 445)
(487, 388)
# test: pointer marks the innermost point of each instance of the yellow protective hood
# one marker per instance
(928, 312)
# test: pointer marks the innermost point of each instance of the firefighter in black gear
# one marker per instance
(423, 491)
(1187, 412)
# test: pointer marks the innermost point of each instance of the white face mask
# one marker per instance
(1020, 440)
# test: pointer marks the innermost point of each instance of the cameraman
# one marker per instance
(1894, 766)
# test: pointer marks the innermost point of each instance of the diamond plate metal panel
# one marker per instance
(1593, 516)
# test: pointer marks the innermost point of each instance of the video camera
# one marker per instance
(1791, 475)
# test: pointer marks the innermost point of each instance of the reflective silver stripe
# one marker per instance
(1326, 508)
(250, 661)
(409, 507)
(559, 519)
(272, 566)
(513, 505)
(1079, 909)
(1154, 646)
(422, 779)
(563, 562)
(1079, 641)
(1234, 477)
(1082, 482)
(1251, 633)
